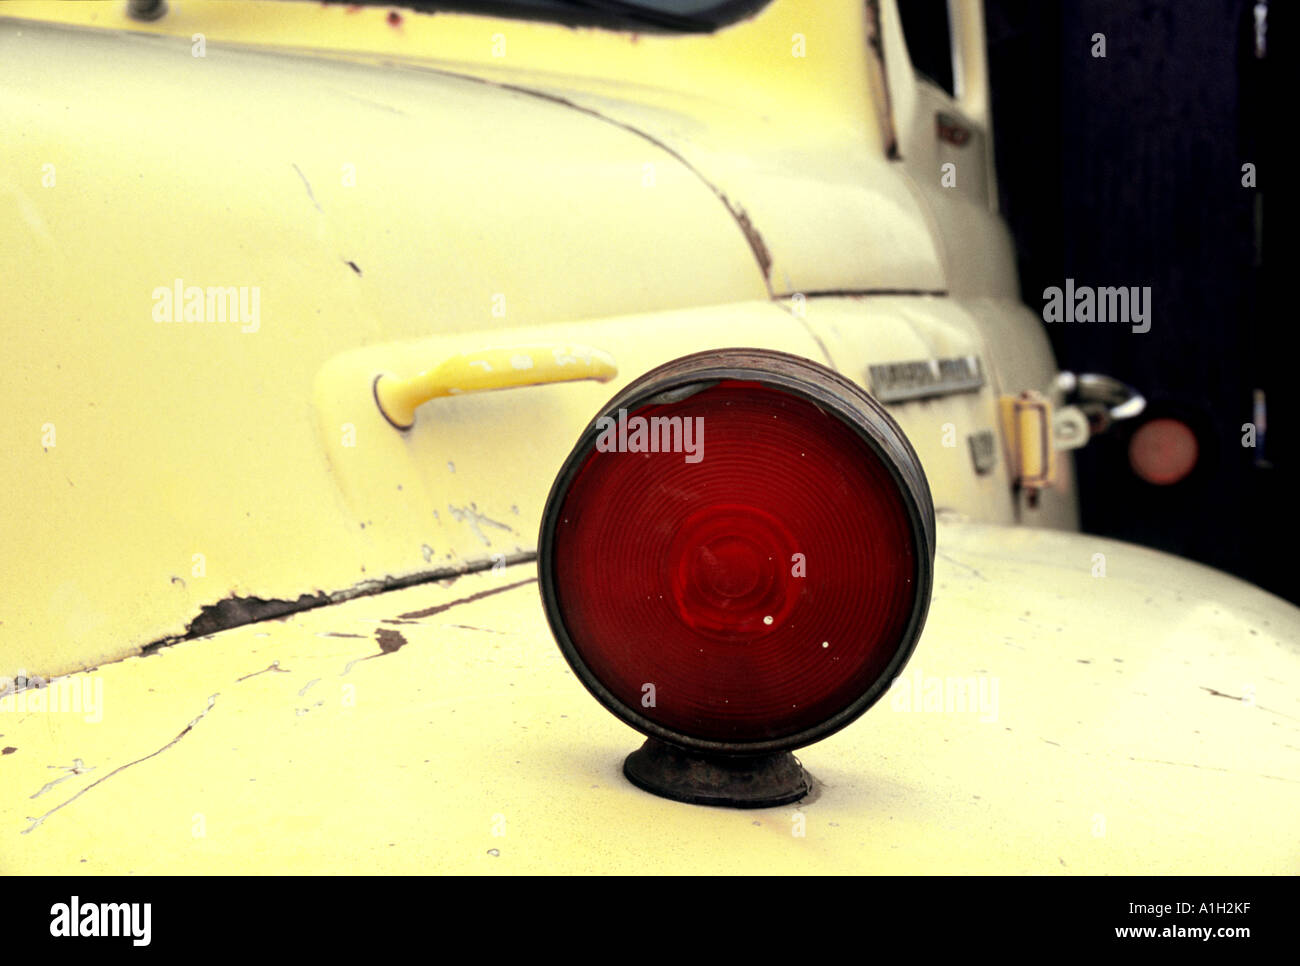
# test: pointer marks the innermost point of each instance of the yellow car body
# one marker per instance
(210, 521)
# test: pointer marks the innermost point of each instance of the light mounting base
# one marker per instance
(701, 778)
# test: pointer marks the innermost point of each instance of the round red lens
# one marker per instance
(748, 589)
(1163, 451)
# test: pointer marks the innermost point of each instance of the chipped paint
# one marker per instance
(237, 611)
(389, 640)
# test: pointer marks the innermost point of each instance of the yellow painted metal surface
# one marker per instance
(438, 729)
(776, 112)
(167, 465)
(377, 200)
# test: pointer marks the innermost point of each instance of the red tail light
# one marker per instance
(736, 556)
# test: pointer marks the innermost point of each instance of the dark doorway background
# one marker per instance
(1127, 170)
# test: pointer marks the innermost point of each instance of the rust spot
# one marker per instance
(394, 18)
(8, 750)
(389, 640)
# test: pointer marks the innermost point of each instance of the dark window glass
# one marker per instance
(929, 42)
(670, 16)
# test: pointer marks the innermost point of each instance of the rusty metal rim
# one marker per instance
(701, 778)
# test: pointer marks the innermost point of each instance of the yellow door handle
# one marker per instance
(485, 370)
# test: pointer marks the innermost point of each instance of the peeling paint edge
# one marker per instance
(231, 612)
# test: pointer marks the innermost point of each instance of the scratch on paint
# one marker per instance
(473, 517)
(1230, 771)
(952, 560)
(441, 608)
(1233, 697)
(212, 700)
(273, 666)
(310, 194)
(78, 767)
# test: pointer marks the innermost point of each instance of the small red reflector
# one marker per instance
(1163, 451)
(753, 591)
